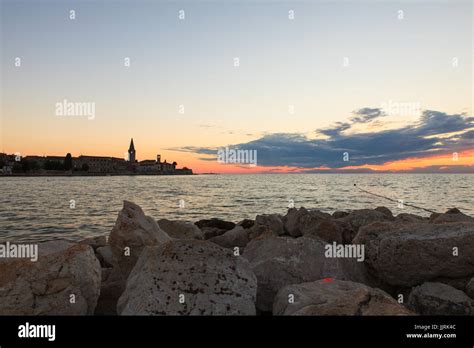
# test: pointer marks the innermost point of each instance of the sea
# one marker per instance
(36, 209)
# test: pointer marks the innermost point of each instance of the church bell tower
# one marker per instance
(131, 152)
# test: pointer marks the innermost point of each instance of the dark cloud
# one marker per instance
(429, 136)
(365, 115)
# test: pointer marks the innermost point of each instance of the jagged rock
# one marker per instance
(45, 287)
(180, 229)
(362, 217)
(281, 261)
(133, 230)
(105, 256)
(410, 254)
(440, 299)
(452, 215)
(95, 242)
(237, 237)
(215, 223)
(470, 288)
(267, 224)
(246, 223)
(212, 280)
(335, 297)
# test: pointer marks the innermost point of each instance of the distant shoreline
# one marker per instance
(194, 174)
(90, 174)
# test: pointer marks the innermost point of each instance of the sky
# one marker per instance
(320, 86)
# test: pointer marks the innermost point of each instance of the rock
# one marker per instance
(292, 221)
(95, 242)
(409, 218)
(316, 224)
(180, 229)
(299, 221)
(385, 211)
(237, 237)
(267, 224)
(470, 288)
(339, 214)
(214, 227)
(110, 291)
(133, 230)
(452, 215)
(212, 280)
(362, 217)
(105, 272)
(44, 287)
(246, 223)
(410, 254)
(215, 223)
(281, 261)
(335, 297)
(105, 256)
(211, 232)
(329, 230)
(440, 299)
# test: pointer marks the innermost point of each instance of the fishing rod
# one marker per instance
(393, 200)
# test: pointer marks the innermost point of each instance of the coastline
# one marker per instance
(94, 174)
(306, 262)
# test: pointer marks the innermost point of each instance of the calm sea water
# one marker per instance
(38, 208)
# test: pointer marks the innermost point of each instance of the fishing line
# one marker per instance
(393, 200)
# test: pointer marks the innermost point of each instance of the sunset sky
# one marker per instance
(307, 90)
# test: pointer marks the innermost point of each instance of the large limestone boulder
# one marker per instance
(440, 299)
(236, 237)
(281, 261)
(189, 277)
(180, 229)
(63, 274)
(317, 224)
(329, 230)
(384, 210)
(133, 231)
(335, 297)
(301, 221)
(267, 224)
(452, 215)
(409, 218)
(363, 217)
(410, 254)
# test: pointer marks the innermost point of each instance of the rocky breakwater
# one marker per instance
(306, 262)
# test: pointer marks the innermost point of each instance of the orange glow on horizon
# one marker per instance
(199, 165)
(464, 158)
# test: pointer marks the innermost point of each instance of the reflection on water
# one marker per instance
(39, 208)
